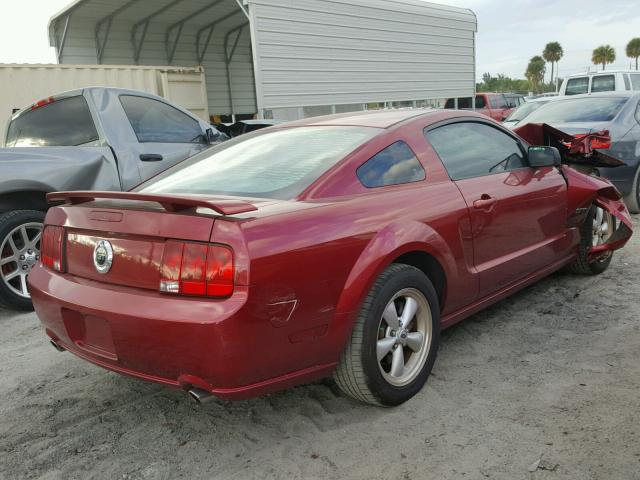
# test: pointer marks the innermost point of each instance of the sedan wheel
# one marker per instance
(394, 341)
(20, 234)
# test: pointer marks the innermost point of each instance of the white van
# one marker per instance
(603, 81)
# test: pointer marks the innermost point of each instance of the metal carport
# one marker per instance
(284, 58)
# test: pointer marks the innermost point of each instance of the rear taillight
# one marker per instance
(599, 143)
(196, 269)
(51, 247)
(595, 140)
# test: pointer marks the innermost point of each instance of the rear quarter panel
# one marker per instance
(324, 254)
(323, 259)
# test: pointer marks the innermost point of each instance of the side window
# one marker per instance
(464, 102)
(635, 81)
(603, 83)
(394, 165)
(471, 149)
(480, 101)
(155, 121)
(61, 123)
(627, 82)
(498, 101)
(576, 86)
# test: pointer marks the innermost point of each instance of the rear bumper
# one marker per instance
(215, 345)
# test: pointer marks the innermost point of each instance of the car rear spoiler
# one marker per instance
(581, 148)
(171, 203)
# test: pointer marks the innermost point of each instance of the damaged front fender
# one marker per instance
(583, 191)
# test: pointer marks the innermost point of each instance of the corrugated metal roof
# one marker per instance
(290, 54)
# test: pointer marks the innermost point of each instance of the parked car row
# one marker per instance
(343, 243)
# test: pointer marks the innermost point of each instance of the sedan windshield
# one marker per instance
(576, 110)
(267, 164)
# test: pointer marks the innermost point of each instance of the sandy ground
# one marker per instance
(544, 385)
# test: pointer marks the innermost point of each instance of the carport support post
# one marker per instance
(63, 40)
(209, 27)
(102, 43)
(171, 49)
(227, 60)
(242, 7)
(137, 45)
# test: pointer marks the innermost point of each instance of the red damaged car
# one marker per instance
(337, 245)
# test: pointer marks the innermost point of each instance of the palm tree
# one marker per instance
(552, 53)
(633, 49)
(535, 71)
(603, 54)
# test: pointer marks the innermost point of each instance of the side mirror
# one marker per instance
(544, 157)
(211, 135)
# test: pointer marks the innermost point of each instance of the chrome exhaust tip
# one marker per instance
(57, 347)
(200, 396)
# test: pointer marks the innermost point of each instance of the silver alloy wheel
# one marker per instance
(602, 229)
(404, 337)
(19, 253)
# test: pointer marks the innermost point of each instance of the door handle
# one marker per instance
(150, 157)
(485, 202)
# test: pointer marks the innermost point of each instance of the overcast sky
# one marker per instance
(509, 32)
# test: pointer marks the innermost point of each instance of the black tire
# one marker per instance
(8, 222)
(358, 373)
(633, 199)
(582, 265)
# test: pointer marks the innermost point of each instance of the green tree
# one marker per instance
(502, 83)
(552, 53)
(535, 72)
(603, 55)
(633, 49)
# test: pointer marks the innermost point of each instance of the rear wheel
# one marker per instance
(633, 199)
(395, 339)
(596, 230)
(20, 233)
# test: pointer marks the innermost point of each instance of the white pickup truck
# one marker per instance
(602, 81)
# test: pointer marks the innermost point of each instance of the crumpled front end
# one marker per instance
(586, 190)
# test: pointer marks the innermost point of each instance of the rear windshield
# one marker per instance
(578, 110)
(64, 123)
(273, 164)
(524, 110)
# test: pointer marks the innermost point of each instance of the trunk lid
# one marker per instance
(575, 128)
(134, 229)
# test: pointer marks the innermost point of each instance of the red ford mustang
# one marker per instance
(336, 246)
